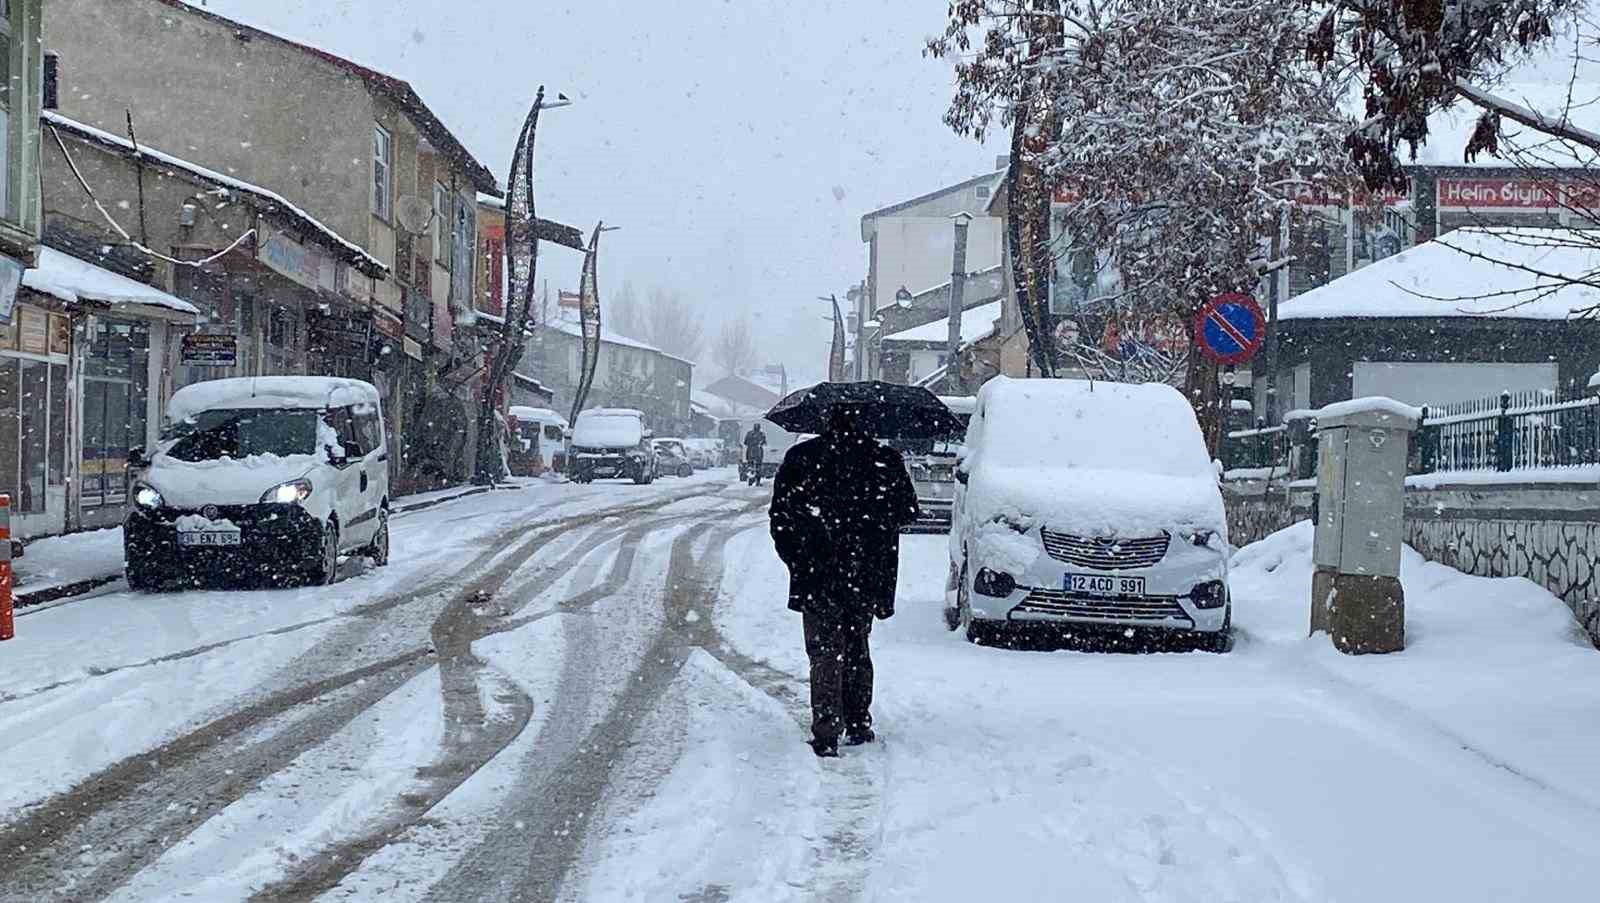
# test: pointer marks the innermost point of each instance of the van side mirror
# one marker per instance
(136, 457)
(961, 476)
(337, 460)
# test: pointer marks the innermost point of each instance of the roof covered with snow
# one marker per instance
(568, 326)
(346, 249)
(1451, 128)
(69, 279)
(975, 324)
(269, 392)
(543, 415)
(1466, 273)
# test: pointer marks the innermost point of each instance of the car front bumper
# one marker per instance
(274, 540)
(1167, 602)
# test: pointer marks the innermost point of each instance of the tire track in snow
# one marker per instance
(539, 834)
(141, 806)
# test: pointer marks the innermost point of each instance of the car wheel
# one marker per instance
(325, 570)
(952, 613)
(379, 550)
(686, 470)
(1219, 642)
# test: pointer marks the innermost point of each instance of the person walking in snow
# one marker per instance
(838, 504)
(755, 453)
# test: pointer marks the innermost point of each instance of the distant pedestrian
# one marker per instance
(838, 504)
(755, 453)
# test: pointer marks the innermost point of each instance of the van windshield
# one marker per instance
(242, 432)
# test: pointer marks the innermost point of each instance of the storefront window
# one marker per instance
(115, 394)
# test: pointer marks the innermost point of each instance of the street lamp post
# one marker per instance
(958, 285)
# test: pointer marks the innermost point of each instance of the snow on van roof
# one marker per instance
(1096, 458)
(269, 392)
(544, 415)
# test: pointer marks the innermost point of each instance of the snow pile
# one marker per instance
(1373, 404)
(1089, 458)
(72, 280)
(608, 428)
(196, 523)
(269, 392)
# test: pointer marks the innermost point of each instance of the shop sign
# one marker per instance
(1496, 194)
(387, 323)
(412, 348)
(10, 281)
(209, 350)
(294, 260)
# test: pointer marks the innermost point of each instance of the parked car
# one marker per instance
(1089, 504)
(273, 476)
(612, 442)
(537, 445)
(672, 457)
(932, 466)
(704, 453)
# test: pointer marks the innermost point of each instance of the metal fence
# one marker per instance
(1508, 432)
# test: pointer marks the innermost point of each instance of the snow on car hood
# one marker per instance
(225, 481)
(1089, 502)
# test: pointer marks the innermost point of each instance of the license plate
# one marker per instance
(1099, 585)
(209, 538)
(605, 471)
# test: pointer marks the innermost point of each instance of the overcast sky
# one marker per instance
(737, 142)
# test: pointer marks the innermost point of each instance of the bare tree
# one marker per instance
(625, 313)
(735, 347)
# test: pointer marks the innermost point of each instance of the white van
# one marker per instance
(271, 476)
(539, 445)
(612, 442)
(1089, 504)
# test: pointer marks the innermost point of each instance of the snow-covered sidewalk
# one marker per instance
(1457, 770)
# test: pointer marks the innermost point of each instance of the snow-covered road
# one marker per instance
(596, 693)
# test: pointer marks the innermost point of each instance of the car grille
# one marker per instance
(1106, 554)
(1061, 604)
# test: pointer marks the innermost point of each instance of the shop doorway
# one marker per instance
(116, 377)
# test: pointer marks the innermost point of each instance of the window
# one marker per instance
(461, 253)
(441, 224)
(368, 428)
(382, 172)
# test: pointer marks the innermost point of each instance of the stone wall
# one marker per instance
(1546, 532)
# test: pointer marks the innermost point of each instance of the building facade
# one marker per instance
(353, 148)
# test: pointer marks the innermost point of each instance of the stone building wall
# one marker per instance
(1546, 532)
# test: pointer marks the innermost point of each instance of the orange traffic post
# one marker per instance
(8, 625)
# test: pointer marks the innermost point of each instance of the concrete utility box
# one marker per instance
(1361, 470)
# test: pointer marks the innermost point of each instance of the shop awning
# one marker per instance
(75, 281)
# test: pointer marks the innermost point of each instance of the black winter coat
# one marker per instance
(838, 504)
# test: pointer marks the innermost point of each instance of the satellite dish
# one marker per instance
(413, 213)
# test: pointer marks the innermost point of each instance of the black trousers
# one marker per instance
(841, 674)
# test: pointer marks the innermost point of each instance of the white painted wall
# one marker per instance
(1440, 383)
(917, 252)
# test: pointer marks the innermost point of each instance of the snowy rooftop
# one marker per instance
(349, 249)
(72, 280)
(1450, 129)
(976, 323)
(1464, 273)
(568, 326)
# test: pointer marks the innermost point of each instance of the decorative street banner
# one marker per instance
(1229, 329)
(836, 352)
(589, 318)
(209, 350)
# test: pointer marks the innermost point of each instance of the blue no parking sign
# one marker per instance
(1229, 328)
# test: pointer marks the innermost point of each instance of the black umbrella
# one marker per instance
(885, 410)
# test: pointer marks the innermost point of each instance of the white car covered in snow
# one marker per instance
(1089, 504)
(271, 476)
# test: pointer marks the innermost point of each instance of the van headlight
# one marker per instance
(289, 493)
(146, 496)
(1208, 595)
